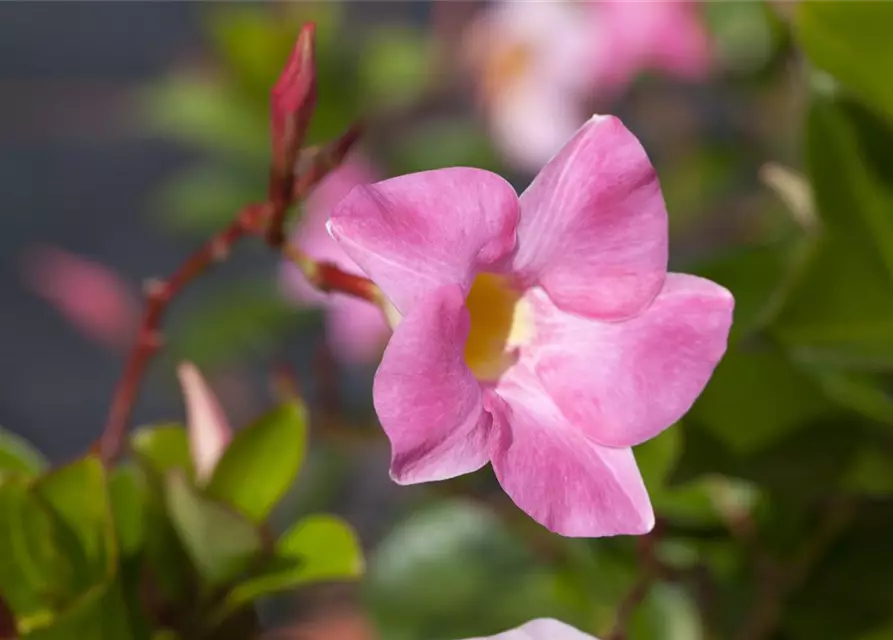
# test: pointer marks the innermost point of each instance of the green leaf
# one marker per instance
(261, 463)
(319, 548)
(127, 492)
(442, 143)
(851, 41)
(396, 65)
(756, 397)
(452, 570)
(34, 575)
(77, 494)
(18, 456)
(221, 543)
(209, 116)
(101, 613)
(202, 200)
(246, 318)
(841, 309)
(162, 449)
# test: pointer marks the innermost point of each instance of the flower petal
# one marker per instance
(209, 430)
(625, 382)
(541, 629)
(417, 232)
(555, 473)
(593, 229)
(428, 401)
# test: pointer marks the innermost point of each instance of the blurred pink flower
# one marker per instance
(534, 67)
(539, 63)
(90, 296)
(542, 629)
(209, 430)
(541, 334)
(356, 330)
(631, 37)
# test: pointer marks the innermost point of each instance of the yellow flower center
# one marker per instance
(501, 321)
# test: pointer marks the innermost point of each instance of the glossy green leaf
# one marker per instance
(261, 463)
(842, 306)
(18, 456)
(163, 448)
(319, 548)
(127, 492)
(221, 543)
(34, 575)
(851, 41)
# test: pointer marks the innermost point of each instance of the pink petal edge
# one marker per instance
(593, 228)
(209, 430)
(541, 629)
(623, 383)
(428, 402)
(417, 232)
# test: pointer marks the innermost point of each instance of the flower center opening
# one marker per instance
(501, 321)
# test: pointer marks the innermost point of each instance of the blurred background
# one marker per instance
(129, 132)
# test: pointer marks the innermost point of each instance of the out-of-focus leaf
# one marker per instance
(667, 613)
(209, 116)
(756, 397)
(34, 575)
(201, 200)
(77, 494)
(828, 605)
(18, 456)
(127, 492)
(100, 613)
(871, 471)
(757, 277)
(261, 462)
(396, 66)
(744, 35)
(443, 143)
(246, 319)
(221, 543)
(851, 40)
(163, 448)
(842, 306)
(793, 189)
(862, 392)
(451, 570)
(318, 548)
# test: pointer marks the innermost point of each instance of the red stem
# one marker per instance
(252, 220)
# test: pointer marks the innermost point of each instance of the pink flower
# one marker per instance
(542, 629)
(209, 430)
(631, 37)
(533, 67)
(542, 334)
(355, 329)
(90, 296)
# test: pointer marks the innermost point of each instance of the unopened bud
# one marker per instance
(293, 101)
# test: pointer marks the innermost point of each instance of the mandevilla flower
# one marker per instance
(356, 330)
(542, 629)
(542, 333)
(209, 430)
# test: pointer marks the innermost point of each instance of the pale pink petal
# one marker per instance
(356, 330)
(417, 232)
(429, 403)
(556, 474)
(542, 629)
(681, 45)
(209, 430)
(625, 382)
(593, 228)
(91, 296)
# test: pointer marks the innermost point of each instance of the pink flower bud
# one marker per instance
(293, 101)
